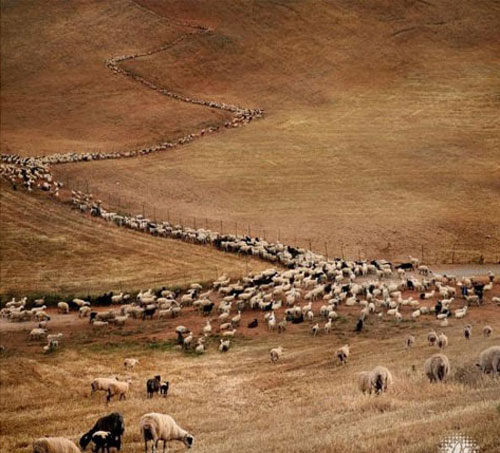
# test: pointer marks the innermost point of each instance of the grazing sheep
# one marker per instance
(130, 364)
(276, 354)
(437, 368)
(37, 334)
(63, 308)
(153, 386)
(224, 345)
(364, 382)
(442, 341)
(342, 354)
(54, 445)
(160, 427)
(409, 341)
(84, 311)
(102, 441)
(112, 423)
(467, 331)
(119, 388)
(380, 379)
(100, 385)
(489, 360)
(487, 331)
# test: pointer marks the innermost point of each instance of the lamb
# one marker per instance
(112, 423)
(54, 337)
(54, 445)
(467, 331)
(442, 341)
(432, 338)
(489, 360)
(100, 385)
(63, 308)
(119, 388)
(487, 331)
(102, 441)
(437, 368)
(224, 345)
(130, 363)
(276, 354)
(161, 427)
(342, 354)
(51, 346)
(409, 341)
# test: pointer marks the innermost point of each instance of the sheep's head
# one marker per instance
(188, 440)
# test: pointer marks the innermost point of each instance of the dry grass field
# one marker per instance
(47, 248)
(239, 401)
(380, 134)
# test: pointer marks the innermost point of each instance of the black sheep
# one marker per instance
(112, 423)
(153, 386)
(359, 325)
(207, 309)
(102, 441)
(164, 388)
(253, 324)
(298, 319)
(148, 312)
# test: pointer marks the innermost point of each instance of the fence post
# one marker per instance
(326, 250)
(221, 226)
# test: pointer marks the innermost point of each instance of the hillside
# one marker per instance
(47, 248)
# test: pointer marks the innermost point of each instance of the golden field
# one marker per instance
(239, 401)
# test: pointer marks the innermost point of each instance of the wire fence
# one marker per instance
(328, 248)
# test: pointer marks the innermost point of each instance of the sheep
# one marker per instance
(84, 311)
(467, 331)
(37, 333)
(409, 341)
(119, 388)
(315, 329)
(282, 325)
(432, 338)
(51, 346)
(489, 360)
(99, 324)
(276, 353)
(224, 345)
(101, 385)
(130, 363)
(63, 308)
(380, 379)
(54, 445)
(487, 331)
(102, 441)
(154, 385)
(207, 329)
(442, 341)
(342, 354)
(54, 337)
(229, 333)
(112, 423)
(164, 386)
(364, 382)
(437, 368)
(328, 326)
(119, 320)
(161, 427)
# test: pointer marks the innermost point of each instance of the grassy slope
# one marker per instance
(240, 402)
(375, 137)
(46, 248)
(57, 94)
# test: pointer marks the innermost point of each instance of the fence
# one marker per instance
(328, 248)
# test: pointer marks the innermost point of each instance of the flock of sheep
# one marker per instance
(108, 431)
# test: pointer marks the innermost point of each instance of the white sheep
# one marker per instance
(315, 329)
(489, 360)
(120, 388)
(63, 308)
(54, 445)
(84, 311)
(409, 341)
(130, 363)
(54, 337)
(101, 384)
(487, 331)
(442, 341)
(160, 427)
(37, 334)
(380, 379)
(364, 382)
(276, 354)
(437, 368)
(342, 354)
(432, 338)
(224, 345)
